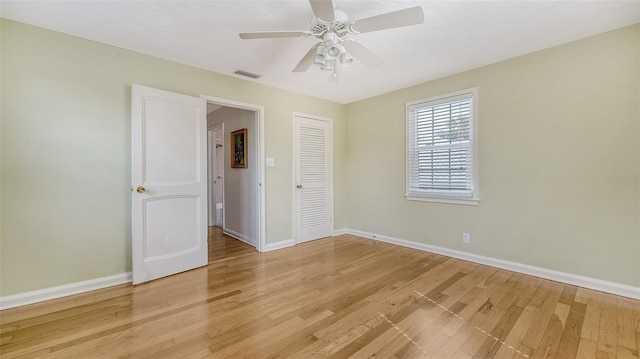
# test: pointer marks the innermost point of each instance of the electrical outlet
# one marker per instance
(466, 238)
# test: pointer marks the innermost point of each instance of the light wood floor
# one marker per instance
(342, 297)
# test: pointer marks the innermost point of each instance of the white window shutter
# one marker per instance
(440, 158)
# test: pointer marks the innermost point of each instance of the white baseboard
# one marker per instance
(291, 242)
(279, 245)
(567, 278)
(239, 236)
(338, 232)
(41, 295)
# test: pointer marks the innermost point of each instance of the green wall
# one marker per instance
(557, 129)
(559, 162)
(66, 152)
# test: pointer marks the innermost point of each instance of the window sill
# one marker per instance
(465, 201)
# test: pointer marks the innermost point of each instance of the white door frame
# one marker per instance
(258, 137)
(211, 144)
(212, 173)
(294, 206)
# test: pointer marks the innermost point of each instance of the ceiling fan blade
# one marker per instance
(400, 18)
(361, 53)
(323, 10)
(307, 60)
(273, 34)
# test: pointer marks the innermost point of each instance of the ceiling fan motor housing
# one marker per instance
(339, 26)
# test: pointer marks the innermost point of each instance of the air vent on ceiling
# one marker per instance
(247, 74)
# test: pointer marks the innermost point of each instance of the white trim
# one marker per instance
(279, 245)
(470, 202)
(445, 98)
(212, 173)
(567, 278)
(211, 206)
(259, 138)
(338, 232)
(41, 295)
(313, 117)
(451, 198)
(239, 236)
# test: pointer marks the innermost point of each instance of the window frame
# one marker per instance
(443, 197)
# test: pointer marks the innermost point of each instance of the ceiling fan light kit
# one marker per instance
(319, 59)
(329, 65)
(332, 27)
(332, 51)
(345, 58)
(332, 45)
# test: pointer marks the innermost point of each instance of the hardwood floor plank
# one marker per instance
(499, 334)
(587, 349)
(480, 315)
(427, 339)
(479, 300)
(568, 294)
(526, 289)
(546, 310)
(570, 339)
(394, 338)
(607, 339)
(626, 335)
(250, 347)
(550, 340)
(626, 353)
(482, 332)
(591, 323)
(514, 338)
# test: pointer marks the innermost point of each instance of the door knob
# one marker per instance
(140, 189)
(299, 186)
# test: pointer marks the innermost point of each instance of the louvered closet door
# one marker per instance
(313, 159)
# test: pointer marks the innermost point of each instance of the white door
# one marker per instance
(313, 168)
(169, 183)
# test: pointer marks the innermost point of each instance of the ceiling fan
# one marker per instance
(333, 27)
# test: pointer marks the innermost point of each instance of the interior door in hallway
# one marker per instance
(313, 169)
(168, 183)
(216, 175)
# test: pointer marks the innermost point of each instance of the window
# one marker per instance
(441, 163)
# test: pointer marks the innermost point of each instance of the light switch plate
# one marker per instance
(271, 162)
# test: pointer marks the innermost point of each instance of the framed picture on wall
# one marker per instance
(239, 148)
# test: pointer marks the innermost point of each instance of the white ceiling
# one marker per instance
(456, 35)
